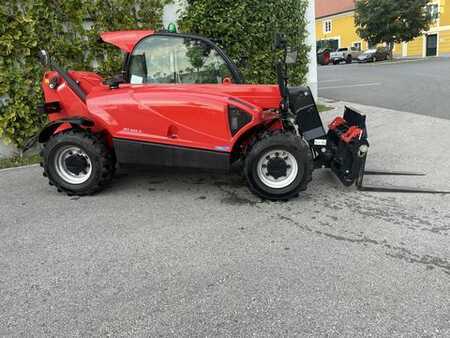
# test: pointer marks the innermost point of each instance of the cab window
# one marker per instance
(178, 60)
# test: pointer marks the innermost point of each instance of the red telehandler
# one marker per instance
(181, 102)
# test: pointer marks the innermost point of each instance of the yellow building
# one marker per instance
(335, 27)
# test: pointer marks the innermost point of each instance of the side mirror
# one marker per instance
(115, 81)
(291, 56)
(43, 57)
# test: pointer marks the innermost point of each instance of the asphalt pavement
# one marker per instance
(419, 86)
(174, 254)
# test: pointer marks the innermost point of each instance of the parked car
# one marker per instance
(375, 54)
(345, 54)
(324, 56)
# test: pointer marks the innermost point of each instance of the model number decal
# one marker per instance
(132, 130)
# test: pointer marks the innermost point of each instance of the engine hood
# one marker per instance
(255, 97)
(263, 97)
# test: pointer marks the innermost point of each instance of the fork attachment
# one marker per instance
(377, 188)
(345, 150)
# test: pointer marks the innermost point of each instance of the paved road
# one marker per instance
(198, 255)
(420, 86)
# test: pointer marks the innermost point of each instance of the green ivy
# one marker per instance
(69, 30)
(246, 28)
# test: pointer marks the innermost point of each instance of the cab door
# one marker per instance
(174, 85)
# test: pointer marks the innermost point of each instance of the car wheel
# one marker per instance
(278, 166)
(77, 162)
(374, 59)
(349, 59)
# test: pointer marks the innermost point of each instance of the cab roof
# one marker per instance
(125, 40)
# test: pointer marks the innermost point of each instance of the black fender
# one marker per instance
(75, 122)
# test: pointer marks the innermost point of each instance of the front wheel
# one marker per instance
(78, 162)
(279, 166)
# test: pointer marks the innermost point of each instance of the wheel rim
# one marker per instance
(277, 169)
(73, 164)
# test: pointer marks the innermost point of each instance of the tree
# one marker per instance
(246, 29)
(388, 21)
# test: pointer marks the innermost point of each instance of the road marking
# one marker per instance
(371, 64)
(382, 63)
(324, 81)
(352, 86)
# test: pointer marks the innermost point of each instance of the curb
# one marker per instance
(17, 168)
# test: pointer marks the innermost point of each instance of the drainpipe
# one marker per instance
(312, 55)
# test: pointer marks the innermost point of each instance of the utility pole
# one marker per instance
(311, 43)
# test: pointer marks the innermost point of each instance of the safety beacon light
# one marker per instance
(172, 28)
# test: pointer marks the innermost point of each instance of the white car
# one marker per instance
(345, 54)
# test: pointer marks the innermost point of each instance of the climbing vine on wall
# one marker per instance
(68, 30)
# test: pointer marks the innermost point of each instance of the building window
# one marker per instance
(327, 26)
(433, 11)
(332, 44)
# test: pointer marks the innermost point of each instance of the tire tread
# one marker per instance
(97, 144)
(269, 138)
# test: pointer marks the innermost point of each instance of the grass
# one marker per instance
(323, 108)
(19, 161)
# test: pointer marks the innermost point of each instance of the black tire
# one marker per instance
(286, 142)
(101, 159)
(335, 62)
(349, 59)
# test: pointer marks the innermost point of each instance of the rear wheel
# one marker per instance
(349, 59)
(77, 162)
(279, 166)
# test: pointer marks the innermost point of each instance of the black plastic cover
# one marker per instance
(237, 119)
(302, 104)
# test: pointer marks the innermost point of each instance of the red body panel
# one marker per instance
(185, 115)
(188, 115)
(125, 40)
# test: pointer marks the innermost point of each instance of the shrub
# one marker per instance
(246, 28)
(69, 31)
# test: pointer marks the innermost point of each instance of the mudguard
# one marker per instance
(75, 122)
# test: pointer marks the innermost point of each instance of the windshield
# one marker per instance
(169, 59)
(342, 49)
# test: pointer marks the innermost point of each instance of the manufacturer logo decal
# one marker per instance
(222, 148)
